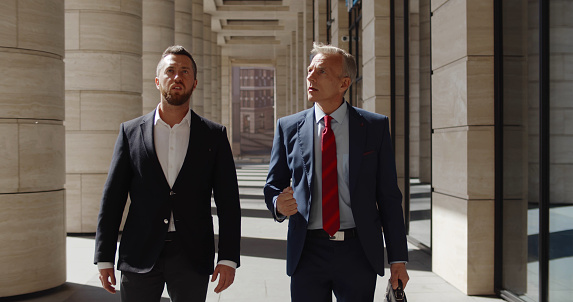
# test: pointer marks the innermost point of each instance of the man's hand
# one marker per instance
(226, 277)
(286, 204)
(107, 278)
(398, 271)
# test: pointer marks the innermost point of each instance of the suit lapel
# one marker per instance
(148, 141)
(358, 129)
(196, 134)
(306, 143)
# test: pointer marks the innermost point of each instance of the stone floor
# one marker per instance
(262, 275)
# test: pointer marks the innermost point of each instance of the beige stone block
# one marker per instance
(376, 77)
(9, 156)
(449, 33)
(72, 30)
(151, 98)
(33, 250)
(93, 71)
(373, 9)
(133, 7)
(378, 104)
(104, 30)
(481, 230)
(72, 121)
(436, 4)
(463, 162)
(8, 24)
(28, 92)
(95, 146)
(184, 6)
(462, 93)
(73, 203)
(41, 26)
(467, 261)
(377, 31)
(159, 13)
(480, 27)
(105, 5)
(131, 73)
(183, 22)
(92, 188)
(157, 39)
(450, 257)
(106, 111)
(42, 157)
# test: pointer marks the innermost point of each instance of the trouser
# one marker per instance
(172, 268)
(328, 267)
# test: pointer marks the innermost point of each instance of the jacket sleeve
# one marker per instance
(113, 201)
(226, 196)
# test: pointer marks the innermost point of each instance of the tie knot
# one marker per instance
(327, 119)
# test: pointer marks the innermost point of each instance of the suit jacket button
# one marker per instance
(165, 221)
(171, 193)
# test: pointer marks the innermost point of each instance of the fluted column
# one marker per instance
(32, 148)
(158, 34)
(103, 89)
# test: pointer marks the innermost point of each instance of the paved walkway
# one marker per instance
(262, 276)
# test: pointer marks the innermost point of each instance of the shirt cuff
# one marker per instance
(279, 217)
(228, 263)
(104, 265)
(398, 262)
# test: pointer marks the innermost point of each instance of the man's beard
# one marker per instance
(176, 100)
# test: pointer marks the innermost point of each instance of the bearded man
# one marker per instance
(170, 162)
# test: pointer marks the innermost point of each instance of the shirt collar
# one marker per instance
(186, 119)
(338, 114)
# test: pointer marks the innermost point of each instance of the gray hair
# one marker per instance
(348, 62)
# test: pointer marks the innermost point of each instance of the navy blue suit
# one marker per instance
(376, 200)
(135, 170)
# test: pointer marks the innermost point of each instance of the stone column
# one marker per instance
(197, 52)
(281, 84)
(226, 102)
(206, 66)
(184, 23)
(158, 34)
(463, 144)
(32, 147)
(216, 80)
(376, 72)
(103, 89)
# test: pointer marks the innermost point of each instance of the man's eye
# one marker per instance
(185, 71)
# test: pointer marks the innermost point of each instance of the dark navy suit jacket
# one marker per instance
(375, 198)
(135, 170)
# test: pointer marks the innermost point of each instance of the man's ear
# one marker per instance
(345, 84)
(157, 82)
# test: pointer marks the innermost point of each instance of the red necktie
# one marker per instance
(330, 212)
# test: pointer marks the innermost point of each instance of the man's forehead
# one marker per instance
(326, 60)
(177, 60)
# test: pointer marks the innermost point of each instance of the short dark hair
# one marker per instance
(177, 50)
